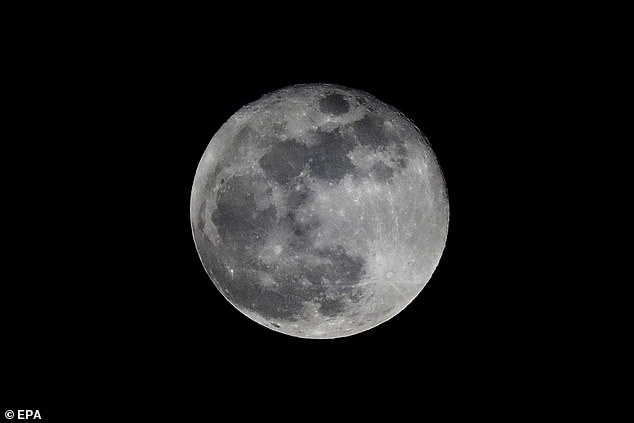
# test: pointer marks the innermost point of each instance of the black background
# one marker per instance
(110, 299)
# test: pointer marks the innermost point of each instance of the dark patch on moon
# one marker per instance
(401, 152)
(243, 230)
(339, 269)
(338, 274)
(238, 221)
(371, 132)
(279, 304)
(245, 135)
(243, 287)
(300, 232)
(346, 269)
(381, 172)
(284, 161)
(331, 307)
(334, 104)
(299, 197)
(329, 157)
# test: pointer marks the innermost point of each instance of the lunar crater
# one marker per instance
(334, 104)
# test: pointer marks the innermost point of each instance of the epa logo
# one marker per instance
(23, 414)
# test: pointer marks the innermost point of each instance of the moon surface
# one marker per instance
(319, 211)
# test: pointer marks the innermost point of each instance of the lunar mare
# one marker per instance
(319, 211)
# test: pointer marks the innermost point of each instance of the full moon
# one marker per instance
(319, 211)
